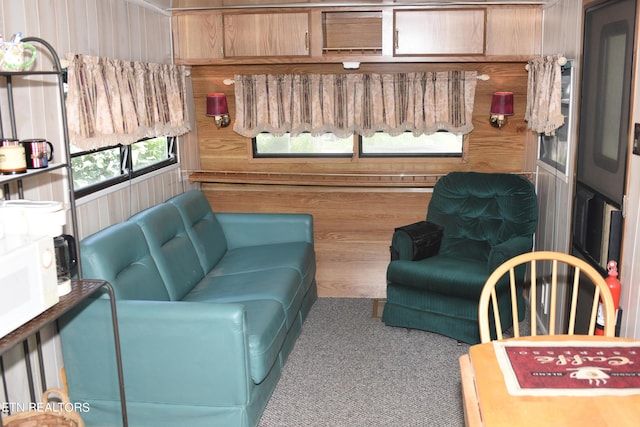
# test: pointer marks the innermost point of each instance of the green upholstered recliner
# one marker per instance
(487, 218)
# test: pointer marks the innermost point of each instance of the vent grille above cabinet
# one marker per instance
(352, 33)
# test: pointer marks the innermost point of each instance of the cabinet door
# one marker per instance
(197, 36)
(266, 34)
(514, 30)
(439, 32)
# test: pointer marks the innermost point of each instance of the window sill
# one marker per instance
(316, 179)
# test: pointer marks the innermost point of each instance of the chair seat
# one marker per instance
(462, 278)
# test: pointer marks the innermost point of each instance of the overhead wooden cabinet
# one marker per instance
(514, 30)
(197, 36)
(439, 32)
(309, 35)
(266, 34)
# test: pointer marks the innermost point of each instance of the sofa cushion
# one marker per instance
(202, 227)
(130, 268)
(171, 248)
(266, 330)
(297, 255)
(283, 285)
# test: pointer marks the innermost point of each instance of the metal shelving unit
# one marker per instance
(59, 72)
(81, 289)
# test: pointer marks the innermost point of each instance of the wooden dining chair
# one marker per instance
(533, 260)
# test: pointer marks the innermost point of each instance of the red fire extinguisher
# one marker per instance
(615, 287)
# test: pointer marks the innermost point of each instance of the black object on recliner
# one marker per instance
(425, 240)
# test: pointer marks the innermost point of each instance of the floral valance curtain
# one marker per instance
(544, 92)
(343, 104)
(112, 102)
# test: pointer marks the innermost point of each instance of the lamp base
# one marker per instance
(222, 121)
(497, 121)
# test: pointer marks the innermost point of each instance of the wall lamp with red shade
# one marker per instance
(218, 109)
(501, 106)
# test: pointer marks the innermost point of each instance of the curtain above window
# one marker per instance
(344, 104)
(113, 102)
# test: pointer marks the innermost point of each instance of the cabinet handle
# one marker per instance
(306, 40)
(397, 36)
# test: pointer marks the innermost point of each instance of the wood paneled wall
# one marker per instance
(352, 227)
(489, 148)
(354, 218)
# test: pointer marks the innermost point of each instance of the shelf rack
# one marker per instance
(81, 289)
(59, 72)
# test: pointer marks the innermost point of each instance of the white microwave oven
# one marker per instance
(28, 279)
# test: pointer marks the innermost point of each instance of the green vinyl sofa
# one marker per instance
(209, 308)
(487, 218)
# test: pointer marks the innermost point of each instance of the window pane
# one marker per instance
(149, 152)
(95, 167)
(267, 145)
(406, 144)
(611, 89)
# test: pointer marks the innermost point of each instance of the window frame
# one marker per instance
(357, 154)
(364, 155)
(256, 155)
(127, 172)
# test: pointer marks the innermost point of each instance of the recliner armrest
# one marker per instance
(401, 247)
(507, 250)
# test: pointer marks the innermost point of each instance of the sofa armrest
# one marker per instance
(174, 352)
(252, 229)
(507, 250)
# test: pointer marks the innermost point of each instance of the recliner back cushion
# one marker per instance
(481, 210)
(120, 255)
(171, 248)
(202, 227)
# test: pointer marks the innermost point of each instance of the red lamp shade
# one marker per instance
(217, 104)
(502, 103)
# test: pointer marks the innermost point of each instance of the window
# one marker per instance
(439, 144)
(304, 145)
(98, 169)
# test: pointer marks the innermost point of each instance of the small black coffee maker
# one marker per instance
(64, 247)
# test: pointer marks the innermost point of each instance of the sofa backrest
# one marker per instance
(171, 248)
(481, 210)
(120, 255)
(202, 227)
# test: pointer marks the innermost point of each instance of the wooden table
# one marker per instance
(488, 403)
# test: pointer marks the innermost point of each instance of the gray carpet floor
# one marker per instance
(349, 369)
